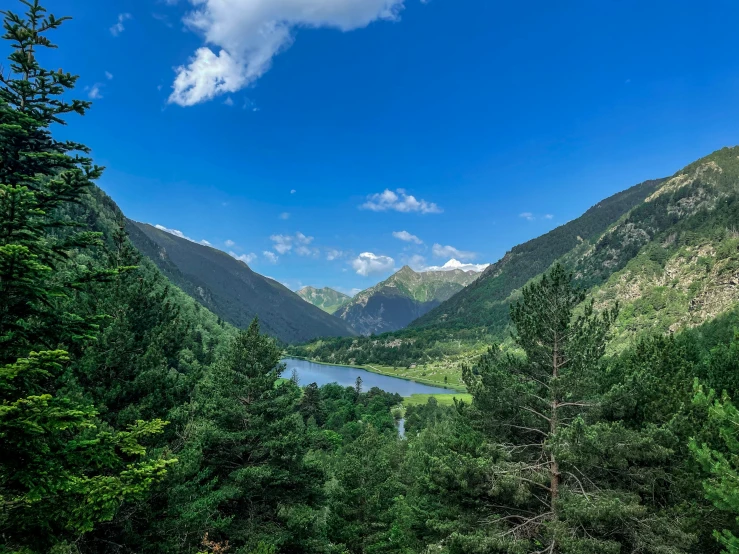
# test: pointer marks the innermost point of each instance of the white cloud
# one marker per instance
(271, 257)
(228, 101)
(440, 251)
(284, 215)
(246, 258)
(333, 254)
(528, 216)
(229, 243)
(549, 216)
(180, 234)
(407, 237)
(293, 191)
(94, 92)
(284, 243)
(248, 34)
(302, 239)
(118, 28)
(368, 263)
(456, 264)
(306, 251)
(108, 75)
(399, 201)
(174, 232)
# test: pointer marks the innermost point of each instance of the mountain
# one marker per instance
(485, 302)
(328, 299)
(666, 250)
(231, 290)
(405, 296)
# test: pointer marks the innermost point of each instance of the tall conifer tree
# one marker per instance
(61, 471)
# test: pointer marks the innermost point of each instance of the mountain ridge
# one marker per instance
(407, 294)
(231, 289)
(326, 298)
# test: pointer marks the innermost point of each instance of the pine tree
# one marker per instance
(561, 478)
(245, 477)
(721, 464)
(61, 471)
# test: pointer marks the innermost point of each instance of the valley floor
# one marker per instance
(441, 373)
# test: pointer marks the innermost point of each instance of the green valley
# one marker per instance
(158, 395)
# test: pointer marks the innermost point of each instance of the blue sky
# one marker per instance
(275, 126)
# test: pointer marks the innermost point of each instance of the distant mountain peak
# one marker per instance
(326, 298)
(401, 298)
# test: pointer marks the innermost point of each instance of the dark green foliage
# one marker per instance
(562, 450)
(562, 481)
(246, 457)
(231, 290)
(62, 470)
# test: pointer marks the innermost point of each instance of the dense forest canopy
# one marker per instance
(133, 420)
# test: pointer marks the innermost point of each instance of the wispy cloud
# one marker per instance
(285, 243)
(284, 215)
(528, 216)
(399, 201)
(440, 251)
(271, 257)
(368, 263)
(108, 75)
(243, 38)
(334, 254)
(405, 236)
(118, 27)
(229, 243)
(246, 258)
(93, 92)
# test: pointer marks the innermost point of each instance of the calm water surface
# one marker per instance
(321, 374)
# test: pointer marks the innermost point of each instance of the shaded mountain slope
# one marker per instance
(231, 290)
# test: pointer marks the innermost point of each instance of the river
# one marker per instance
(321, 374)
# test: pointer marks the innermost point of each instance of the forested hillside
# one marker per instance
(669, 257)
(484, 303)
(230, 289)
(134, 420)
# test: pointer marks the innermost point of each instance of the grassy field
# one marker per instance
(430, 374)
(442, 399)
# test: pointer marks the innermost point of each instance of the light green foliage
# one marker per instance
(721, 464)
(441, 399)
